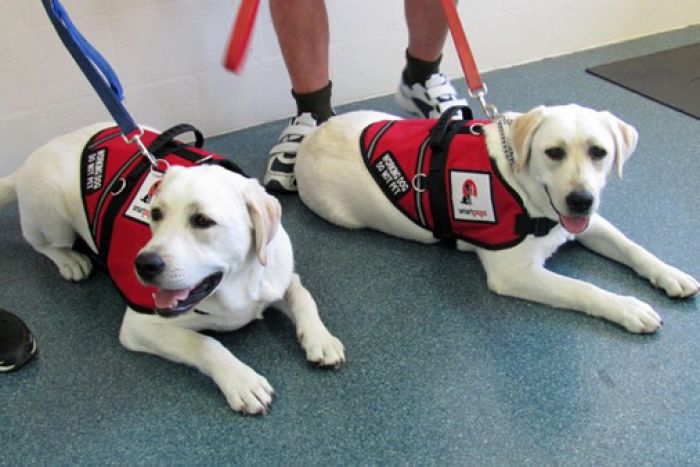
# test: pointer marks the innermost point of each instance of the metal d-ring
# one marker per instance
(476, 129)
(118, 191)
(416, 184)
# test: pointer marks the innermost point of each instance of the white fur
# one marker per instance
(334, 182)
(248, 244)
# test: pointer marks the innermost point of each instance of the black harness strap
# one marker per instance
(440, 138)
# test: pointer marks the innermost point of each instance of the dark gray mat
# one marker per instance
(671, 77)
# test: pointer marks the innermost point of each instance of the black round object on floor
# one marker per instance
(17, 345)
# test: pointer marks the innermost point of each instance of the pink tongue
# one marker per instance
(168, 298)
(574, 224)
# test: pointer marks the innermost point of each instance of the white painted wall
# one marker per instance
(167, 54)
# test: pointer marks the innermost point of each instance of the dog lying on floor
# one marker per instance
(218, 256)
(537, 185)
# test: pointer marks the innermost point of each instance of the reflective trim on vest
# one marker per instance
(482, 208)
(117, 186)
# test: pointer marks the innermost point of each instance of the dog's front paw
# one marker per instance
(322, 348)
(636, 316)
(74, 266)
(246, 391)
(675, 282)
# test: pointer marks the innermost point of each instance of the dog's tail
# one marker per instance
(8, 190)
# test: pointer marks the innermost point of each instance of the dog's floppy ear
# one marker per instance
(265, 213)
(625, 137)
(521, 131)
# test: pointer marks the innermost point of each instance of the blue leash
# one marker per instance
(98, 72)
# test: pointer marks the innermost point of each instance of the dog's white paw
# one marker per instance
(675, 282)
(322, 348)
(246, 391)
(74, 266)
(637, 316)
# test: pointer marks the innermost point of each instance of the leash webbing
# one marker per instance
(96, 69)
(240, 35)
(477, 88)
(98, 72)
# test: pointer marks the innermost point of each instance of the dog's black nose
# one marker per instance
(579, 201)
(149, 265)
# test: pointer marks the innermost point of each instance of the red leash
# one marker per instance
(240, 35)
(477, 88)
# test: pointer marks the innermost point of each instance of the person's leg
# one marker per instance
(302, 32)
(424, 90)
(427, 29)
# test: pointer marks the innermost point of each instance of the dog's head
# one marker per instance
(207, 222)
(567, 154)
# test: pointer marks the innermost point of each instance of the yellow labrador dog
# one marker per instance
(218, 258)
(556, 160)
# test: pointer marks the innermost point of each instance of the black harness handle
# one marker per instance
(166, 139)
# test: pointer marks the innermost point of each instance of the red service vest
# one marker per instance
(117, 186)
(440, 175)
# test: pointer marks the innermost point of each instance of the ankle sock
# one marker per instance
(317, 102)
(418, 71)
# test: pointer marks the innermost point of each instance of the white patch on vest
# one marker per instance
(140, 207)
(471, 196)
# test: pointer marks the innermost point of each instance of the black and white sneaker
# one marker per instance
(17, 345)
(279, 175)
(429, 99)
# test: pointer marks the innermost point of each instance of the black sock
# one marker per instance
(316, 102)
(418, 71)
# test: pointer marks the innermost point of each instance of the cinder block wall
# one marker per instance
(168, 53)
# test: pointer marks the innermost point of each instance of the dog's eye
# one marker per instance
(555, 153)
(596, 152)
(200, 221)
(156, 214)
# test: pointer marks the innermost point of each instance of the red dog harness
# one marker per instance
(439, 174)
(117, 185)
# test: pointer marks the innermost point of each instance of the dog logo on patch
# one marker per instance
(471, 196)
(151, 193)
(468, 190)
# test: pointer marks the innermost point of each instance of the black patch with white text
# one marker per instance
(392, 179)
(93, 173)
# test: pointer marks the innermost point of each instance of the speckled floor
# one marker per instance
(440, 370)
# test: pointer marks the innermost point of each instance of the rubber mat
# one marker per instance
(671, 77)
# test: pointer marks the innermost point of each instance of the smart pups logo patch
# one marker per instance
(471, 196)
(140, 208)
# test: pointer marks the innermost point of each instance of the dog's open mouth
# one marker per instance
(574, 224)
(174, 302)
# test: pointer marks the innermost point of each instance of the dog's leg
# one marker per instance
(605, 239)
(526, 279)
(54, 238)
(322, 348)
(245, 390)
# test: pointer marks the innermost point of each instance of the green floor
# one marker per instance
(440, 371)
